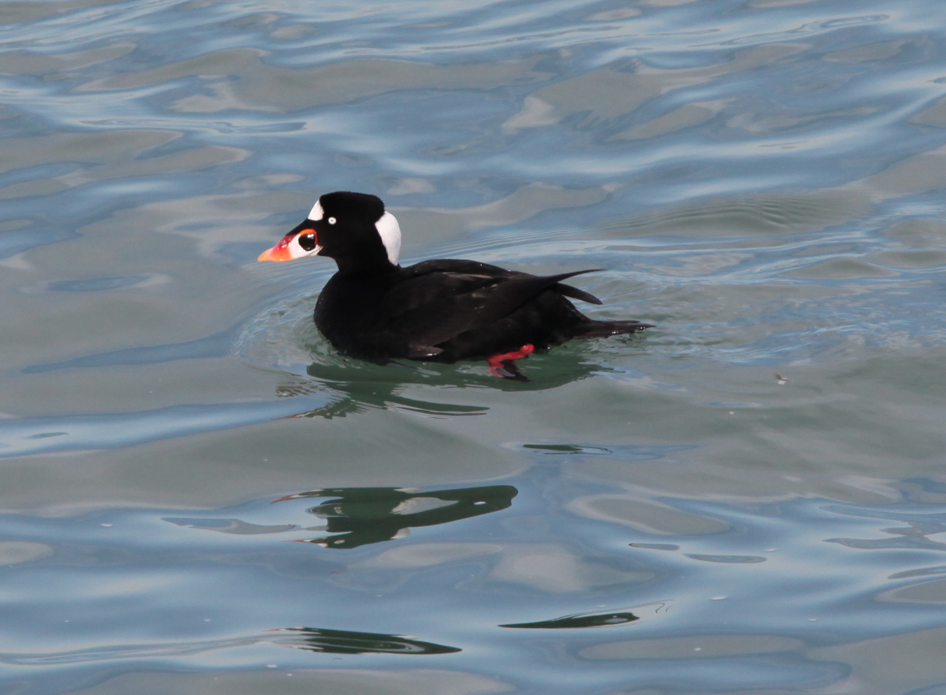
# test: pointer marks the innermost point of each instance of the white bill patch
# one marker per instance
(296, 250)
(317, 213)
(390, 232)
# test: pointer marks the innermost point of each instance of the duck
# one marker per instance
(441, 310)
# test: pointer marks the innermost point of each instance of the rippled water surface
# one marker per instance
(199, 495)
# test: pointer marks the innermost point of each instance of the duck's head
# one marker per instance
(352, 228)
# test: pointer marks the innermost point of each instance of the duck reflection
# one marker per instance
(615, 616)
(361, 516)
(358, 397)
(581, 620)
(357, 385)
(347, 642)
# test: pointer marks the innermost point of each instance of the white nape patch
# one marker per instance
(390, 232)
(317, 213)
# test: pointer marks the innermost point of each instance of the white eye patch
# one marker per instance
(332, 220)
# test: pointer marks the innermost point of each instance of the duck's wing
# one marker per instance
(427, 309)
(475, 268)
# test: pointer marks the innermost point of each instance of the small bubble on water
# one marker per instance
(107, 525)
(270, 665)
(719, 598)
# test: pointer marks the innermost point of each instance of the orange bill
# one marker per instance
(280, 252)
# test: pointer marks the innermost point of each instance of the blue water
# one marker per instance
(200, 495)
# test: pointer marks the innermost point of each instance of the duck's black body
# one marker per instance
(448, 310)
(438, 310)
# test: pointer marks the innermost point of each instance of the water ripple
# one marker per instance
(745, 498)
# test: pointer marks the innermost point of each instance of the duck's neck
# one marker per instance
(357, 268)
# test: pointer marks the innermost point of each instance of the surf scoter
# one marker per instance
(438, 310)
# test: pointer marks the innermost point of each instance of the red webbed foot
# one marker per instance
(503, 365)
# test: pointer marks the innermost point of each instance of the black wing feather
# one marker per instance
(482, 299)
(575, 293)
(465, 267)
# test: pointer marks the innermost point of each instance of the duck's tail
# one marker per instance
(602, 329)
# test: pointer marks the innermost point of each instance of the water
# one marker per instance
(199, 495)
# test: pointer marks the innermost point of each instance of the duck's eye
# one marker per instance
(332, 220)
(307, 241)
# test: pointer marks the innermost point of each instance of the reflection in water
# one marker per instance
(304, 638)
(360, 516)
(357, 396)
(618, 616)
(356, 386)
(745, 559)
(914, 532)
(581, 620)
(347, 642)
(233, 526)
